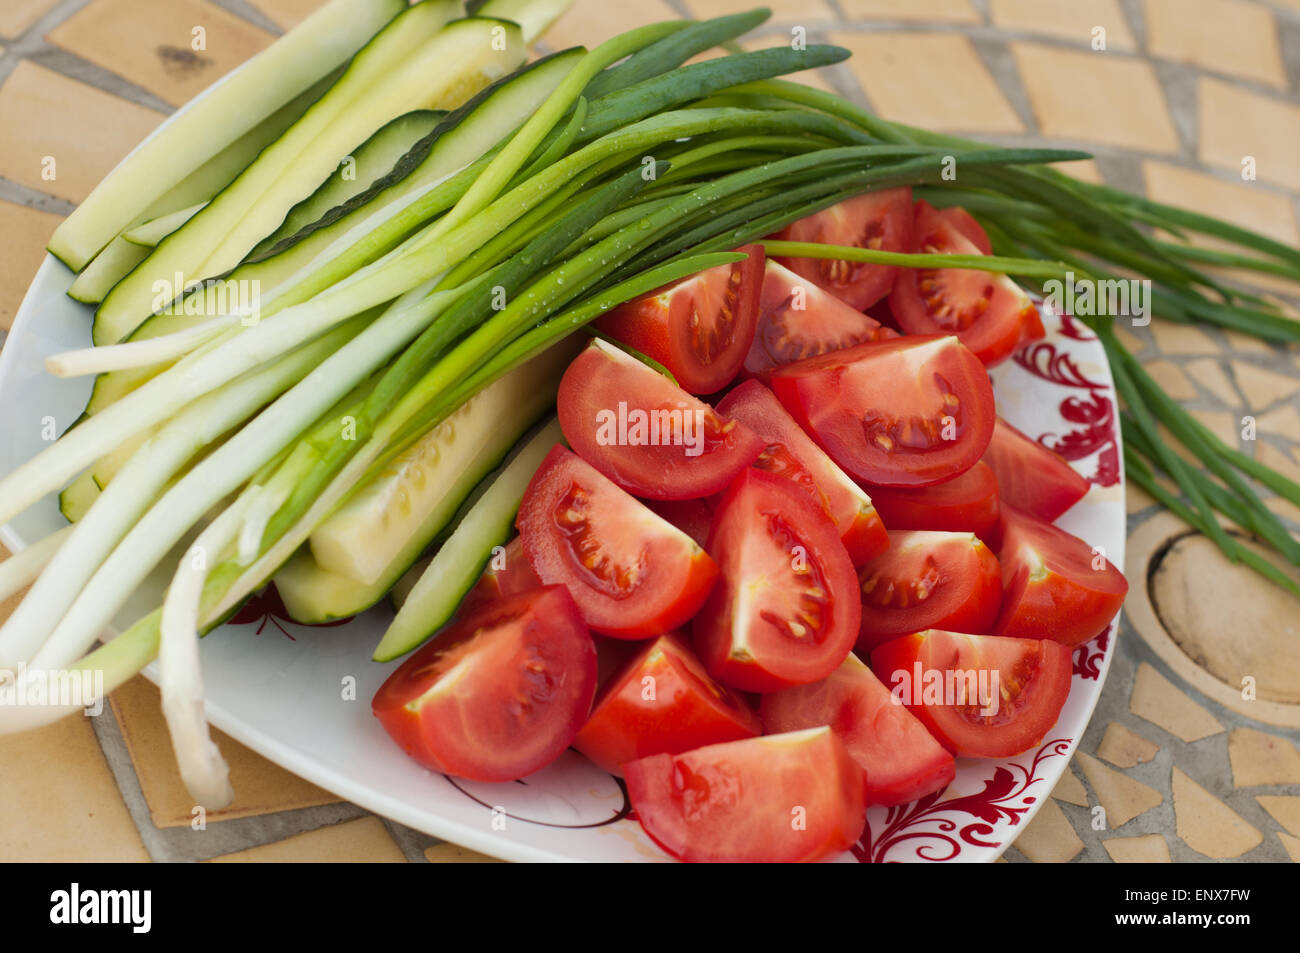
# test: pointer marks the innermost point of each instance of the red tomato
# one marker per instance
(981, 696)
(903, 762)
(791, 453)
(497, 695)
(1057, 586)
(692, 517)
(964, 222)
(908, 412)
(700, 328)
(990, 313)
(645, 433)
(775, 799)
(662, 702)
(1032, 478)
(881, 221)
(632, 574)
(507, 573)
(967, 503)
(929, 580)
(797, 319)
(785, 610)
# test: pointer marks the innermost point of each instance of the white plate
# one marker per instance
(279, 687)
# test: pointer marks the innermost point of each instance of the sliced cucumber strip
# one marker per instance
(149, 234)
(310, 51)
(459, 562)
(402, 588)
(533, 16)
(106, 269)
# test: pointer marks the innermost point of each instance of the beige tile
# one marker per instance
(287, 13)
(591, 22)
(1137, 499)
(1130, 340)
(25, 232)
(1156, 699)
(1146, 849)
(59, 801)
(1209, 373)
(1236, 123)
(1247, 343)
(1124, 748)
(1283, 421)
(1072, 20)
(363, 841)
(1096, 97)
(455, 854)
(1270, 456)
(44, 115)
(1070, 789)
(1263, 386)
(260, 786)
(912, 77)
(1083, 169)
(1171, 379)
(1241, 203)
(1283, 809)
(1225, 36)
(783, 11)
(17, 15)
(932, 11)
(1259, 758)
(1224, 425)
(1206, 824)
(1182, 339)
(1121, 796)
(1284, 508)
(1049, 838)
(1291, 845)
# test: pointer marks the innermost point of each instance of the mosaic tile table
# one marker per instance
(1184, 768)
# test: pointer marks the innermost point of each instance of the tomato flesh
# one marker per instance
(701, 327)
(662, 702)
(1057, 586)
(1032, 478)
(791, 453)
(929, 580)
(902, 760)
(507, 573)
(907, 412)
(881, 221)
(692, 517)
(968, 503)
(785, 610)
(981, 696)
(644, 432)
(965, 223)
(497, 695)
(632, 574)
(777, 799)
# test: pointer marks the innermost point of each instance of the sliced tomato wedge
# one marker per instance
(981, 696)
(797, 319)
(967, 503)
(692, 517)
(908, 412)
(1057, 586)
(776, 799)
(791, 453)
(701, 327)
(902, 760)
(644, 432)
(499, 694)
(1032, 478)
(881, 221)
(929, 580)
(508, 572)
(632, 574)
(662, 702)
(990, 313)
(785, 610)
(964, 222)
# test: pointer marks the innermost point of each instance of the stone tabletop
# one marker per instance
(1192, 753)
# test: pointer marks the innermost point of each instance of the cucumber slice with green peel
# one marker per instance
(105, 270)
(366, 534)
(149, 234)
(360, 169)
(312, 50)
(76, 499)
(418, 61)
(533, 16)
(458, 563)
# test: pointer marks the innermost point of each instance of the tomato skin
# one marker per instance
(757, 637)
(1034, 674)
(929, 580)
(515, 575)
(860, 527)
(632, 574)
(686, 709)
(1051, 589)
(668, 325)
(965, 223)
(602, 397)
(989, 312)
(798, 319)
(878, 220)
(914, 411)
(692, 517)
(1032, 478)
(968, 503)
(527, 675)
(902, 760)
(735, 802)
